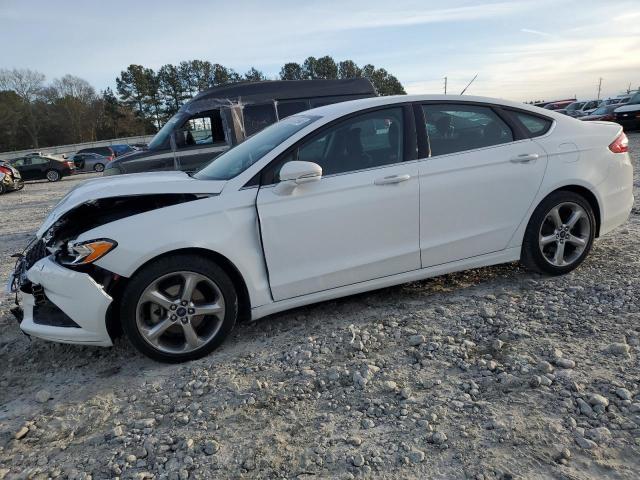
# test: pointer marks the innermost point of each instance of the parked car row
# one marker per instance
(37, 166)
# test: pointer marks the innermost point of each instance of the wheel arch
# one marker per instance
(589, 196)
(244, 300)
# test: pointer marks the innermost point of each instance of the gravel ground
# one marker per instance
(494, 373)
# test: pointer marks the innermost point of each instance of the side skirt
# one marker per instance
(504, 256)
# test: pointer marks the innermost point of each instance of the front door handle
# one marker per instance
(525, 158)
(392, 179)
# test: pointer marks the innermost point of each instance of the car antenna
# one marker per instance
(465, 88)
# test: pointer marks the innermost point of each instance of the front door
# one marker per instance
(359, 222)
(478, 184)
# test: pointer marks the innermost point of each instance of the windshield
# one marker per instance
(575, 106)
(236, 160)
(601, 110)
(161, 139)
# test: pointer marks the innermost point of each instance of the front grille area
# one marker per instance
(36, 252)
(49, 314)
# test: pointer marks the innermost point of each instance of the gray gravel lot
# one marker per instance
(494, 373)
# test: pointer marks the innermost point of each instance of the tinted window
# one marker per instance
(204, 128)
(456, 128)
(257, 117)
(286, 109)
(369, 140)
(39, 161)
(535, 125)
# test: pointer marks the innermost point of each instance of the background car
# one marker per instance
(580, 109)
(89, 162)
(108, 152)
(619, 100)
(559, 104)
(10, 178)
(628, 115)
(603, 113)
(40, 168)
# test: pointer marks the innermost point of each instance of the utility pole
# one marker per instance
(599, 88)
(445, 85)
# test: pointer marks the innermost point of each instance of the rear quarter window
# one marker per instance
(533, 124)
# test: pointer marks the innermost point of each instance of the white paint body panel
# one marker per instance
(342, 234)
(341, 230)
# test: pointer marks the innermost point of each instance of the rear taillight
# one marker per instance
(620, 144)
(109, 158)
(5, 170)
(71, 165)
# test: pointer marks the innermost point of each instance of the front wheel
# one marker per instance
(53, 175)
(560, 234)
(98, 167)
(179, 308)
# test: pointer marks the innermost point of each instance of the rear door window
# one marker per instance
(455, 128)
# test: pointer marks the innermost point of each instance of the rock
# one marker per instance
(43, 396)
(599, 435)
(389, 386)
(210, 447)
(145, 423)
(545, 367)
(415, 340)
(497, 344)
(367, 423)
(118, 431)
(355, 441)
(565, 363)
(584, 407)
(585, 443)
(535, 381)
(438, 438)
(358, 460)
(624, 394)
(618, 349)
(416, 456)
(597, 399)
(20, 434)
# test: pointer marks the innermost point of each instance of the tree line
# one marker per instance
(35, 114)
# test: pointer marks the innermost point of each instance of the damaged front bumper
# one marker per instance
(64, 305)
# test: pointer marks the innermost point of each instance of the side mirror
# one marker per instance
(296, 173)
(300, 172)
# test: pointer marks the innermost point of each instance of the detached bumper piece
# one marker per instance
(64, 305)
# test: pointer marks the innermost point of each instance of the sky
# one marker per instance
(521, 50)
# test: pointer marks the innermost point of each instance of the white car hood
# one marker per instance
(628, 108)
(130, 185)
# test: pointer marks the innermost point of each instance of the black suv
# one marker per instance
(41, 168)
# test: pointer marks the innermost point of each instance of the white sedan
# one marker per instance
(331, 202)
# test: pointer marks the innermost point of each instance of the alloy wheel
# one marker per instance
(53, 176)
(180, 312)
(564, 234)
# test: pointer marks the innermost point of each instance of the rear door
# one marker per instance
(359, 222)
(478, 183)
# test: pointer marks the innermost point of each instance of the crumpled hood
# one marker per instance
(130, 185)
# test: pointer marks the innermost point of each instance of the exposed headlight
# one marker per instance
(84, 253)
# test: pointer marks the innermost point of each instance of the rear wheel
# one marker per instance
(98, 167)
(560, 234)
(53, 175)
(3, 189)
(179, 308)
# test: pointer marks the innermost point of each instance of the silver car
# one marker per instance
(89, 162)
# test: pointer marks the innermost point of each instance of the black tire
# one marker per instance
(2, 188)
(159, 268)
(53, 175)
(98, 167)
(532, 256)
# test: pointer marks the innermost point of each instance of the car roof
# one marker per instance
(344, 108)
(256, 92)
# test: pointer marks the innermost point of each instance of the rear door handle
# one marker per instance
(525, 158)
(392, 179)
